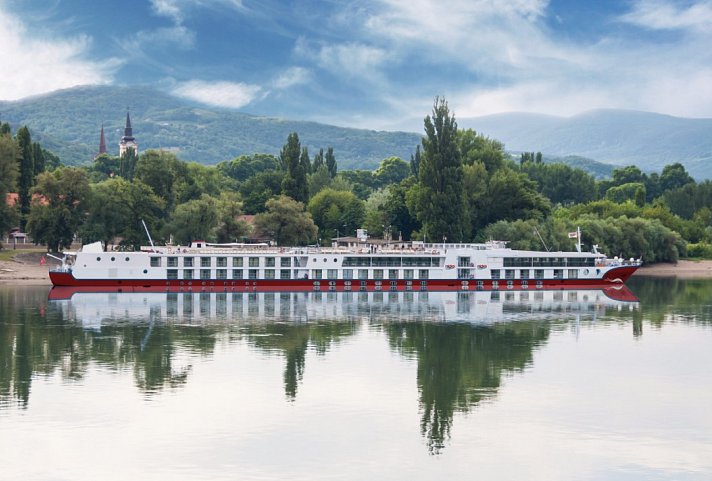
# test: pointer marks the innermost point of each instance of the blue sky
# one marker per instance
(370, 63)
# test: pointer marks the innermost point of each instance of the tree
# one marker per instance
(415, 161)
(160, 170)
(286, 222)
(294, 183)
(194, 220)
(128, 164)
(391, 171)
(674, 176)
(318, 161)
(8, 176)
(304, 161)
(38, 158)
(625, 192)
(331, 162)
(441, 205)
(336, 210)
(59, 208)
(257, 190)
(476, 147)
(319, 180)
(230, 228)
(26, 169)
(246, 166)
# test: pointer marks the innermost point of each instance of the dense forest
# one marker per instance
(458, 185)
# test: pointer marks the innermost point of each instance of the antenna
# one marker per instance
(541, 239)
(147, 233)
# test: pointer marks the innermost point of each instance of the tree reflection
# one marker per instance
(460, 365)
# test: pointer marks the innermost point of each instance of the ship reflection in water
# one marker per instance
(92, 309)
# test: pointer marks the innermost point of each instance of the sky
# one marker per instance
(374, 64)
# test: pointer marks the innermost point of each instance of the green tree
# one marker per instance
(194, 220)
(128, 163)
(336, 210)
(476, 147)
(319, 161)
(160, 170)
(331, 162)
(561, 183)
(319, 180)
(391, 171)
(286, 222)
(415, 161)
(26, 170)
(624, 192)
(441, 202)
(305, 162)
(261, 187)
(60, 208)
(294, 183)
(38, 158)
(230, 228)
(247, 166)
(8, 176)
(674, 176)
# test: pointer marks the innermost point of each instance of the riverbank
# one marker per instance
(25, 268)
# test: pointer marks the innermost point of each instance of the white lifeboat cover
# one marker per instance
(93, 247)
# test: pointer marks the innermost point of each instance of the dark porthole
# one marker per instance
(145, 271)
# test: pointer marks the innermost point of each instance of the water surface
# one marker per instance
(570, 385)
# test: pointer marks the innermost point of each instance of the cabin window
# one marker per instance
(285, 262)
(495, 274)
(463, 262)
(407, 273)
(316, 273)
(348, 273)
(332, 274)
(205, 273)
(558, 273)
(237, 262)
(205, 261)
(269, 273)
(237, 274)
(172, 262)
(524, 274)
(538, 273)
(378, 273)
(252, 273)
(509, 274)
(269, 262)
(363, 274)
(221, 273)
(187, 262)
(187, 273)
(254, 261)
(221, 262)
(463, 274)
(155, 262)
(573, 273)
(172, 274)
(285, 274)
(393, 273)
(423, 274)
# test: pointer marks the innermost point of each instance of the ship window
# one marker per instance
(237, 262)
(269, 261)
(316, 273)
(237, 274)
(363, 273)
(393, 273)
(463, 262)
(558, 273)
(348, 273)
(187, 262)
(509, 274)
(221, 273)
(285, 262)
(205, 273)
(378, 273)
(188, 274)
(113, 259)
(423, 274)
(254, 261)
(269, 273)
(573, 274)
(172, 262)
(98, 259)
(221, 262)
(407, 273)
(495, 274)
(155, 262)
(524, 274)
(172, 274)
(332, 274)
(205, 262)
(252, 273)
(285, 274)
(538, 273)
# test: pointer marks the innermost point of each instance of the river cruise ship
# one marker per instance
(358, 266)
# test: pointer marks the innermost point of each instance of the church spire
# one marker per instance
(128, 141)
(128, 131)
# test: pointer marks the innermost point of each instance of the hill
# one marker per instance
(618, 137)
(68, 122)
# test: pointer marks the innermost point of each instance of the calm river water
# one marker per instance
(569, 385)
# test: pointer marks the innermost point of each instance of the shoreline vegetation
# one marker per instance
(24, 268)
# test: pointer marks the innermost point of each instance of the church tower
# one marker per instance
(102, 143)
(128, 141)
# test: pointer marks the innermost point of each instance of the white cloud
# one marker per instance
(43, 64)
(663, 15)
(291, 76)
(221, 94)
